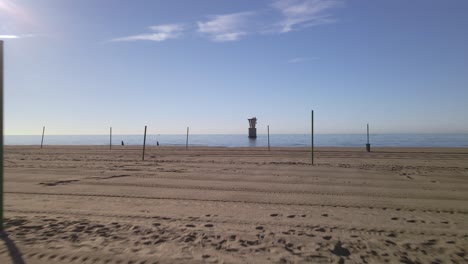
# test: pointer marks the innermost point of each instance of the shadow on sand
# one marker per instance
(12, 249)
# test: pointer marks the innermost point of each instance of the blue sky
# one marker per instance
(79, 67)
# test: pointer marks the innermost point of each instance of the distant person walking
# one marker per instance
(157, 143)
(123, 143)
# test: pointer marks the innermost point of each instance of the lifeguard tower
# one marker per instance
(252, 128)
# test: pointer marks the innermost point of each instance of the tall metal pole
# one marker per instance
(312, 138)
(186, 141)
(268, 130)
(110, 139)
(144, 144)
(42, 140)
(1, 135)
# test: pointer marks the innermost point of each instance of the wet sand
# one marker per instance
(88, 204)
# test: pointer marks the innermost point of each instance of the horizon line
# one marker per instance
(221, 134)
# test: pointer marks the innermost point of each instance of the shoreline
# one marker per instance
(273, 148)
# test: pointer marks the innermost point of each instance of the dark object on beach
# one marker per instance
(340, 251)
(123, 143)
(157, 143)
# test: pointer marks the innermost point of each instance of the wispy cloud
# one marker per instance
(158, 33)
(294, 15)
(297, 60)
(303, 13)
(228, 27)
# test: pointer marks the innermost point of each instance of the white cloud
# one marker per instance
(159, 33)
(16, 36)
(303, 13)
(229, 27)
(9, 36)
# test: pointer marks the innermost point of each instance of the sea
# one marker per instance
(238, 140)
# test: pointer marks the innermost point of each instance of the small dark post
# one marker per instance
(368, 143)
(186, 141)
(1, 135)
(42, 140)
(268, 130)
(144, 144)
(110, 139)
(312, 138)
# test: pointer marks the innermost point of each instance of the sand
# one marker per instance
(89, 204)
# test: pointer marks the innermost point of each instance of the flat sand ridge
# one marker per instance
(89, 204)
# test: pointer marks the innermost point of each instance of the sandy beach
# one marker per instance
(89, 204)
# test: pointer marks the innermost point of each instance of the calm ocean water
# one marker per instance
(297, 140)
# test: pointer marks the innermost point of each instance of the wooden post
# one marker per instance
(268, 130)
(110, 139)
(1, 135)
(144, 144)
(42, 140)
(367, 134)
(368, 143)
(312, 138)
(186, 141)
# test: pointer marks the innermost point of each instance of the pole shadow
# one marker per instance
(15, 254)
